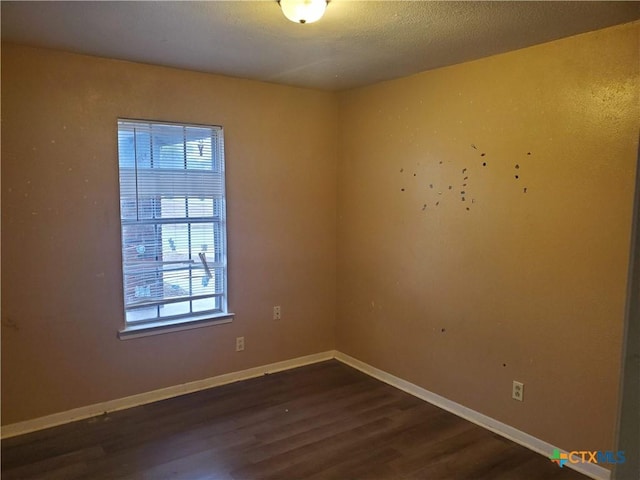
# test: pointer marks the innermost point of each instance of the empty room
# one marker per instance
(320, 240)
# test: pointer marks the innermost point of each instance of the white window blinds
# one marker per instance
(172, 210)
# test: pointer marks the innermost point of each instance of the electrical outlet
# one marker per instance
(239, 344)
(517, 391)
(276, 312)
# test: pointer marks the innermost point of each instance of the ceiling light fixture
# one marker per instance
(303, 11)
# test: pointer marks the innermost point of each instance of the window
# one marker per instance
(172, 213)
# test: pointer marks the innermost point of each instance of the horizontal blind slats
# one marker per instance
(156, 182)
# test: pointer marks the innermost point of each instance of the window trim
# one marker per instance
(150, 327)
(158, 328)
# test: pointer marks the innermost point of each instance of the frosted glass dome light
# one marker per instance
(303, 11)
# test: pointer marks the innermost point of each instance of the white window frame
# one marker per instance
(143, 184)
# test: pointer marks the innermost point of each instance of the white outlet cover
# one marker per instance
(517, 391)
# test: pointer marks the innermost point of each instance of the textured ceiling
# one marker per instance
(356, 43)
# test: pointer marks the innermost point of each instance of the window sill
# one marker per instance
(158, 328)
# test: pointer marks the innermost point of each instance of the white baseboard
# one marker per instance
(539, 446)
(163, 393)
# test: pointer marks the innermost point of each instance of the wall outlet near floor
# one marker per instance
(517, 391)
(276, 312)
(239, 344)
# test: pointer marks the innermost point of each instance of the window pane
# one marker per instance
(128, 208)
(140, 242)
(206, 304)
(199, 149)
(200, 207)
(142, 140)
(175, 242)
(176, 282)
(168, 146)
(142, 280)
(173, 207)
(202, 240)
(126, 151)
(148, 207)
(203, 284)
(141, 314)
(171, 309)
(142, 286)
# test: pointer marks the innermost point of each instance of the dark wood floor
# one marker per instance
(323, 421)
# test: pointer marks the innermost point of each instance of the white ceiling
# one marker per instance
(356, 43)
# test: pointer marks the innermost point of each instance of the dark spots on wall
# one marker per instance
(442, 330)
(10, 323)
(517, 176)
(465, 187)
(504, 364)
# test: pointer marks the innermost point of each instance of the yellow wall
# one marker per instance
(525, 286)
(462, 297)
(61, 272)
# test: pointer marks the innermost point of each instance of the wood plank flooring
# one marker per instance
(322, 421)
